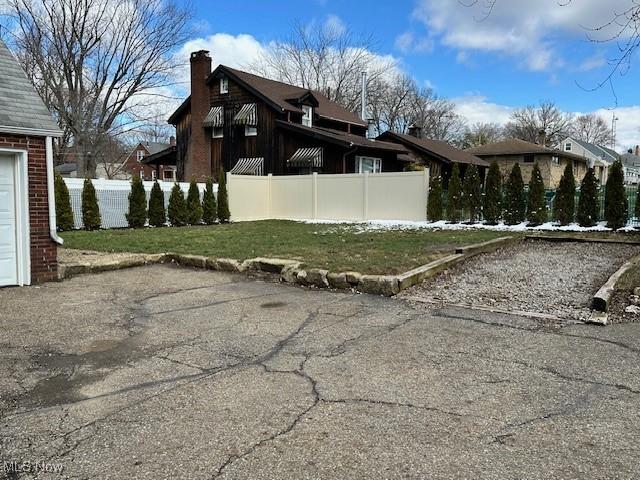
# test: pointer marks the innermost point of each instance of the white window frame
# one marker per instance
(555, 160)
(224, 85)
(250, 130)
(307, 115)
(139, 155)
(141, 173)
(217, 132)
(568, 146)
(170, 178)
(376, 164)
(154, 175)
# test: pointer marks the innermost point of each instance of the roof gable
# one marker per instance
(21, 108)
(515, 146)
(279, 95)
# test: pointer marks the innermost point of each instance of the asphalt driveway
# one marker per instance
(164, 372)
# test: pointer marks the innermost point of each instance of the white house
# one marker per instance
(599, 157)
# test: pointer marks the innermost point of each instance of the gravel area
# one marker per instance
(68, 256)
(556, 279)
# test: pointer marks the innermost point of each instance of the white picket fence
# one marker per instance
(113, 198)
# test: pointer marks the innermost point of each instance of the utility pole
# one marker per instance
(614, 120)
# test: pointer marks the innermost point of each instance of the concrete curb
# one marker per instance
(291, 271)
(602, 299)
(562, 239)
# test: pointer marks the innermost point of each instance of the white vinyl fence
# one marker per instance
(351, 197)
(113, 198)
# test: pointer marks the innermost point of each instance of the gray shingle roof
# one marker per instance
(20, 105)
(154, 147)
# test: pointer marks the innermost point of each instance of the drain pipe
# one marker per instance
(53, 230)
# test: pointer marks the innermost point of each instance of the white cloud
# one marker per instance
(476, 109)
(627, 126)
(408, 42)
(592, 63)
(531, 31)
(334, 24)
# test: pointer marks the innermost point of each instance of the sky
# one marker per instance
(523, 52)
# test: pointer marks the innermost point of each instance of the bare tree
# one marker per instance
(97, 62)
(592, 128)
(326, 59)
(527, 123)
(480, 134)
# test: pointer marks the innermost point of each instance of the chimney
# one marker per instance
(172, 141)
(637, 150)
(198, 162)
(542, 137)
(415, 131)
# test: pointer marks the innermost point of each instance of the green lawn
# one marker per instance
(334, 247)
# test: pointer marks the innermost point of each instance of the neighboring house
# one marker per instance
(599, 157)
(552, 162)
(631, 166)
(137, 163)
(67, 170)
(436, 155)
(28, 239)
(252, 125)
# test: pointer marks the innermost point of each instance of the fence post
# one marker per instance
(269, 180)
(314, 193)
(427, 173)
(365, 196)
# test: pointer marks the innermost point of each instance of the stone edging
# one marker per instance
(602, 299)
(291, 271)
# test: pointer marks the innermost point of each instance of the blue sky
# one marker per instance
(525, 51)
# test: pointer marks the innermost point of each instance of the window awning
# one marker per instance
(215, 118)
(247, 115)
(248, 166)
(306, 157)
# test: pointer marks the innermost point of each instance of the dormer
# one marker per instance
(307, 103)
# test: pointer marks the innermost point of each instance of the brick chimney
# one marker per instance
(415, 131)
(637, 150)
(198, 164)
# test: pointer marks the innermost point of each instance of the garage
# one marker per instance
(28, 238)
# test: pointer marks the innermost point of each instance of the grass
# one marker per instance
(333, 247)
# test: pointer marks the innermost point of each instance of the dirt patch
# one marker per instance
(556, 279)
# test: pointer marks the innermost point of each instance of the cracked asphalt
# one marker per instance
(166, 372)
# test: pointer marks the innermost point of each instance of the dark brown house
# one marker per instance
(437, 155)
(252, 125)
(137, 163)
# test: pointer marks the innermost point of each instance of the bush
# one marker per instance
(137, 215)
(434, 203)
(588, 203)
(194, 207)
(454, 195)
(223, 198)
(209, 206)
(536, 203)
(472, 193)
(637, 209)
(514, 200)
(90, 210)
(157, 212)
(413, 167)
(492, 206)
(616, 208)
(64, 213)
(564, 205)
(177, 211)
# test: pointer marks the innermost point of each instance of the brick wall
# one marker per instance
(44, 263)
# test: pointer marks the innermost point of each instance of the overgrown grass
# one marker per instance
(334, 247)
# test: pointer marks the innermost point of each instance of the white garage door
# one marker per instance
(8, 228)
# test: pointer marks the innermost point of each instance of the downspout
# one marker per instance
(53, 230)
(344, 158)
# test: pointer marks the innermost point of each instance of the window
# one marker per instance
(154, 175)
(567, 147)
(307, 115)
(555, 160)
(529, 158)
(141, 173)
(224, 85)
(139, 155)
(218, 132)
(169, 175)
(368, 164)
(250, 130)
